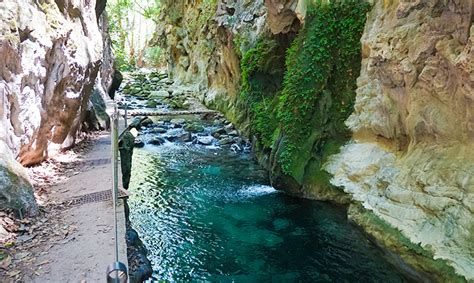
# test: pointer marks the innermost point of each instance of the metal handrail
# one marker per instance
(117, 271)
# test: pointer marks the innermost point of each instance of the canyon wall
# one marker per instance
(53, 53)
(411, 161)
(403, 161)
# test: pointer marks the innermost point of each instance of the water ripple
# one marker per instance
(209, 215)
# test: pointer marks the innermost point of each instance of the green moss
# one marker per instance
(241, 44)
(319, 85)
(303, 102)
(261, 81)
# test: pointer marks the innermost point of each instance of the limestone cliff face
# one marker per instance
(407, 171)
(198, 38)
(411, 161)
(51, 56)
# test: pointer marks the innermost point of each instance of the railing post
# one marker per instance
(116, 272)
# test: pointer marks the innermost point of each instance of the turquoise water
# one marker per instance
(207, 214)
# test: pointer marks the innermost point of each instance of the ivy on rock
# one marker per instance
(300, 115)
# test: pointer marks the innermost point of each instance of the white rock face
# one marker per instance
(411, 161)
(51, 54)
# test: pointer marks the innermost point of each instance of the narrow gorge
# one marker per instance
(273, 140)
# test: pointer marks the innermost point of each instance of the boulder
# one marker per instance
(205, 140)
(194, 127)
(225, 141)
(147, 122)
(220, 131)
(156, 141)
(179, 122)
(229, 127)
(158, 130)
(16, 193)
(167, 81)
(185, 137)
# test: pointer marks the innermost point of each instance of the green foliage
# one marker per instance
(118, 23)
(153, 10)
(261, 80)
(302, 99)
(154, 56)
(322, 66)
(120, 27)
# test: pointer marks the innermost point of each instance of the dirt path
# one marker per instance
(72, 241)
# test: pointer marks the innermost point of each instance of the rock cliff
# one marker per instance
(411, 160)
(407, 171)
(52, 53)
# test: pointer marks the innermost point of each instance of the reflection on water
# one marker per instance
(209, 214)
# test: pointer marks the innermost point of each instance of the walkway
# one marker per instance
(85, 254)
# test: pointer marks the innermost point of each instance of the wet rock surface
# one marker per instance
(209, 130)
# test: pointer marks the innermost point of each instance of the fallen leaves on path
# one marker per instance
(24, 241)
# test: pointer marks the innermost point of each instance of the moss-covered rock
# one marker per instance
(16, 193)
(297, 98)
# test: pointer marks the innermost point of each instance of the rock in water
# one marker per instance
(235, 148)
(147, 122)
(205, 140)
(225, 141)
(233, 133)
(140, 269)
(138, 143)
(178, 122)
(158, 130)
(220, 131)
(186, 137)
(159, 94)
(157, 141)
(16, 193)
(194, 128)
